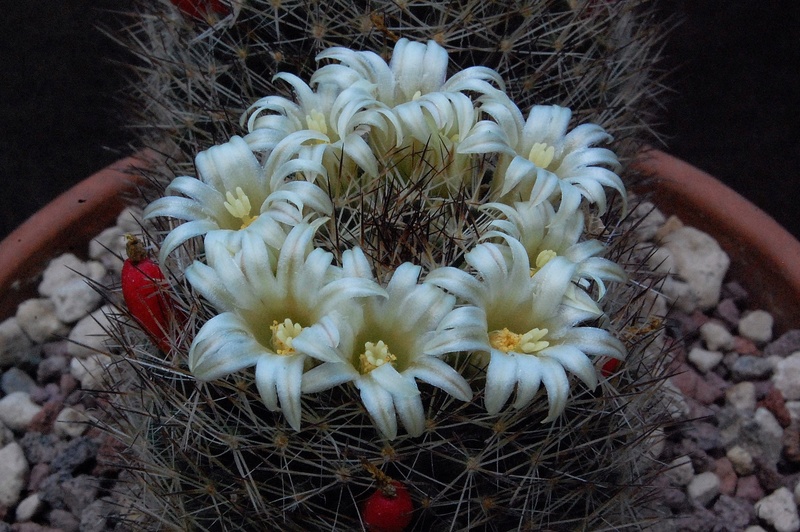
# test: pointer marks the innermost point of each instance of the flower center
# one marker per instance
(543, 258)
(317, 122)
(541, 154)
(239, 206)
(283, 334)
(528, 343)
(375, 355)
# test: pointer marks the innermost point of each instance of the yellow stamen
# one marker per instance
(317, 122)
(417, 96)
(375, 355)
(543, 258)
(283, 334)
(239, 206)
(528, 343)
(541, 154)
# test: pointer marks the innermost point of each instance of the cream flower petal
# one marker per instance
(380, 406)
(529, 379)
(501, 377)
(222, 346)
(278, 380)
(418, 67)
(411, 414)
(438, 373)
(573, 359)
(556, 383)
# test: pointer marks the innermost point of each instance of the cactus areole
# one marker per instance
(388, 509)
(144, 294)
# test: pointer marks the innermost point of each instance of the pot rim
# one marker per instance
(82, 212)
(760, 248)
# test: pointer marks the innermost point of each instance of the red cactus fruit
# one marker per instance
(388, 509)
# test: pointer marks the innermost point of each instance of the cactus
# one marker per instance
(215, 456)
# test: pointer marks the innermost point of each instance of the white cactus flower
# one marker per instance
(269, 301)
(529, 337)
(548, 161)
(342, 115)
(414, 70)
(233, 189)
(395, 341)
(545, 235)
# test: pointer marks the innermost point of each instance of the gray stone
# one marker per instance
(786, 377)
(757, 326)
(63, 520)
(779, 511)
(788, 343)
(733, 512)
(14, 343)
(704, 360)
(37, 318)
(700, 262)
(95, 518)
(748, 367)
(680, 471)
(51, 368)
(80, 492)
(13, 474)
(16, 380)
(703, 488)
(742, 396)
(75, 454)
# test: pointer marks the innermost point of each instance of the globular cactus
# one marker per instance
(475, 255)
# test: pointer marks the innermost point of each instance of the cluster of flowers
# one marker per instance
(515, 301)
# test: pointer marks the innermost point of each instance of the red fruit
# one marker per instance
(388, 509)
(143, 289)
(610, 367)
(200, 8)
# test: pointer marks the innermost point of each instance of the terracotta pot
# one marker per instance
(66, 224)
(765, 258)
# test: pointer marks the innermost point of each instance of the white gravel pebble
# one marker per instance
(70, 422)
(89, 336)
(28, 508)
(680, 471)
(716, 336)
(757, 326)
(13, 474)
(742, 460)
(779, 510)
(90, 371)
(700, 261)
(786, 376)
(37, 318)
(17, 410)
(704, 360)
(75, 299)
(703, 488)
(14, 343)
(742, 396)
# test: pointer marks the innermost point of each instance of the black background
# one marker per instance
(733, 110)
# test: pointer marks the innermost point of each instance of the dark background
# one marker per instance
(733, 113)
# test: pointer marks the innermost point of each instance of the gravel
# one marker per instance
(734, 466)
